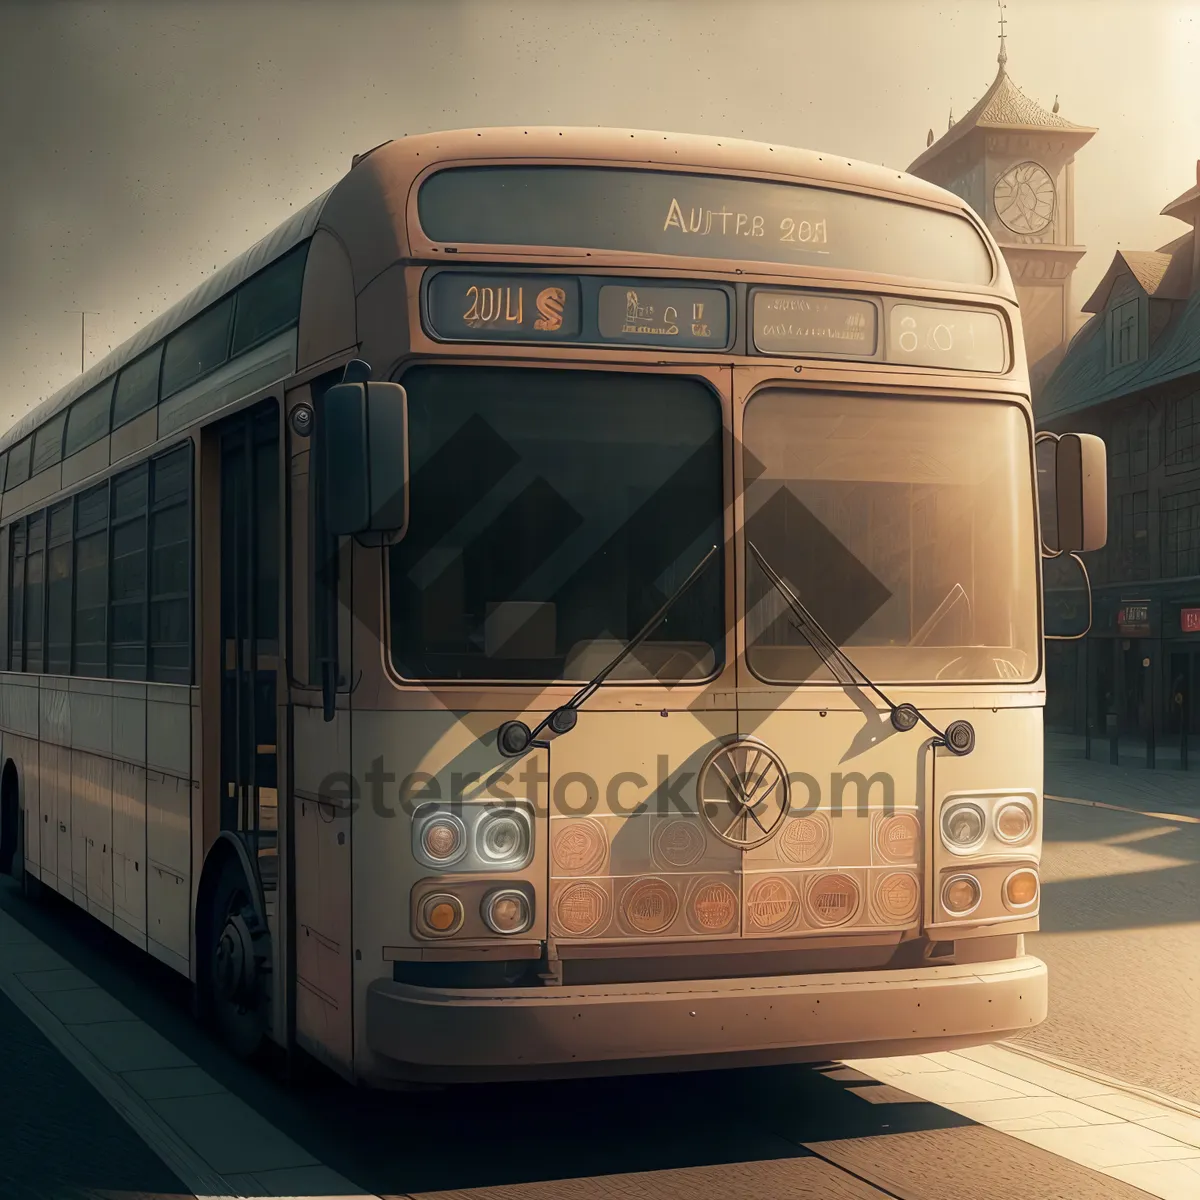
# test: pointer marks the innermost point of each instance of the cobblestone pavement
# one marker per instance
(791, 1132)
(1120, 923)
(1121, 934)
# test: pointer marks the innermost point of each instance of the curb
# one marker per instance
(1160, 814)
(1116, 1085)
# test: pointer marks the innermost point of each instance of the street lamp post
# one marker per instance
(83, 315)
(1148, 691)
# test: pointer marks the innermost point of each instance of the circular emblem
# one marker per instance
(805, 839)
(743, 793)
(897, 838)
(679, 842)
(772, 904)
(649, 905)
(833, 899)
(580, 847)
(897, 896)
(713, 907)
(581, 908)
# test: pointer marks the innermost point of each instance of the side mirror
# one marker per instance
(1081, 493)
(362, 446)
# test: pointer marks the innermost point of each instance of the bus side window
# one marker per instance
(16, 604)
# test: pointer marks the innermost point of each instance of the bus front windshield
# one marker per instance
(906, 527)
(552, 512)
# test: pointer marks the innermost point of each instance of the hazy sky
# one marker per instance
(144, 144)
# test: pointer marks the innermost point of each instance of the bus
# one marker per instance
(566, 602)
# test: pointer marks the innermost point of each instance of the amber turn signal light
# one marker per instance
(441, 914)
(1021, 889)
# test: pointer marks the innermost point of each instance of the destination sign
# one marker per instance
(694, 317)
(807, 323)
(699, 216)
(502, 307)
(963, 339)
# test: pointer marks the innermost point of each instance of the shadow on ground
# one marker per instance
(391, 1143)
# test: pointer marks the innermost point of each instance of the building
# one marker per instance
(1132, 376)
(1013, 162)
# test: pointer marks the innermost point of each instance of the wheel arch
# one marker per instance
(228, 848)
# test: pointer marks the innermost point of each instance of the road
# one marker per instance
(1120, 932)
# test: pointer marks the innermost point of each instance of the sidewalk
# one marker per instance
(58, 1136)
(1130, 784)
(1139, 1137)
(77, 1062)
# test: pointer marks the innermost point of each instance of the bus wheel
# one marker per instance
(10, 818)
(238, 960)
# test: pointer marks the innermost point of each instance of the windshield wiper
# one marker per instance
(958, 737)
(515, 737)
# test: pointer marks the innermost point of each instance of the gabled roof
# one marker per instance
(1002, 106)
(1150, 270)
(1082, 379)
(1178, 281)
(1184, 239)
(1186, 207)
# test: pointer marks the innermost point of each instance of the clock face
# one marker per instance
(1024, 198)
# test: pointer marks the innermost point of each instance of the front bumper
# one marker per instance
(598, 1029)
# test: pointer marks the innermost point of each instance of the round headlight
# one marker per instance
(503, 839)
(964, 827)
(961, 895)
(1014, 821)
(443, 840)
(507, 911)
(441, 914)
(1021, 889)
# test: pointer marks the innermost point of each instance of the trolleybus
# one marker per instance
(565, 602)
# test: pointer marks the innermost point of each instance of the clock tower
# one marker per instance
(1014, 164)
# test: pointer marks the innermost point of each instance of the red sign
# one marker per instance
(1189, 620)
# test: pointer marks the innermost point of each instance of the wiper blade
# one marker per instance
(958, 737)
(515, 737)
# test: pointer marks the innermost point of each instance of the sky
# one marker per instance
(144, 144)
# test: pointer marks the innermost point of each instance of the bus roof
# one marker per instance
(278, 242)
(653, 147)
(389, 171)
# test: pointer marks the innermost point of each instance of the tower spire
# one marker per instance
(1002, 57)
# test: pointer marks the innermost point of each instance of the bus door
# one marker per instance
(249, 640)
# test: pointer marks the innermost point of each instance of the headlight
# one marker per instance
(441, 914)
(507, 911)
(1021, 889)
(1014, 821)
(964, 826)
(441, 840)
(502, 838)
(961, 895)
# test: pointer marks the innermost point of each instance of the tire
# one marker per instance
(11, 859)
(236, 960)
(35, 890)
